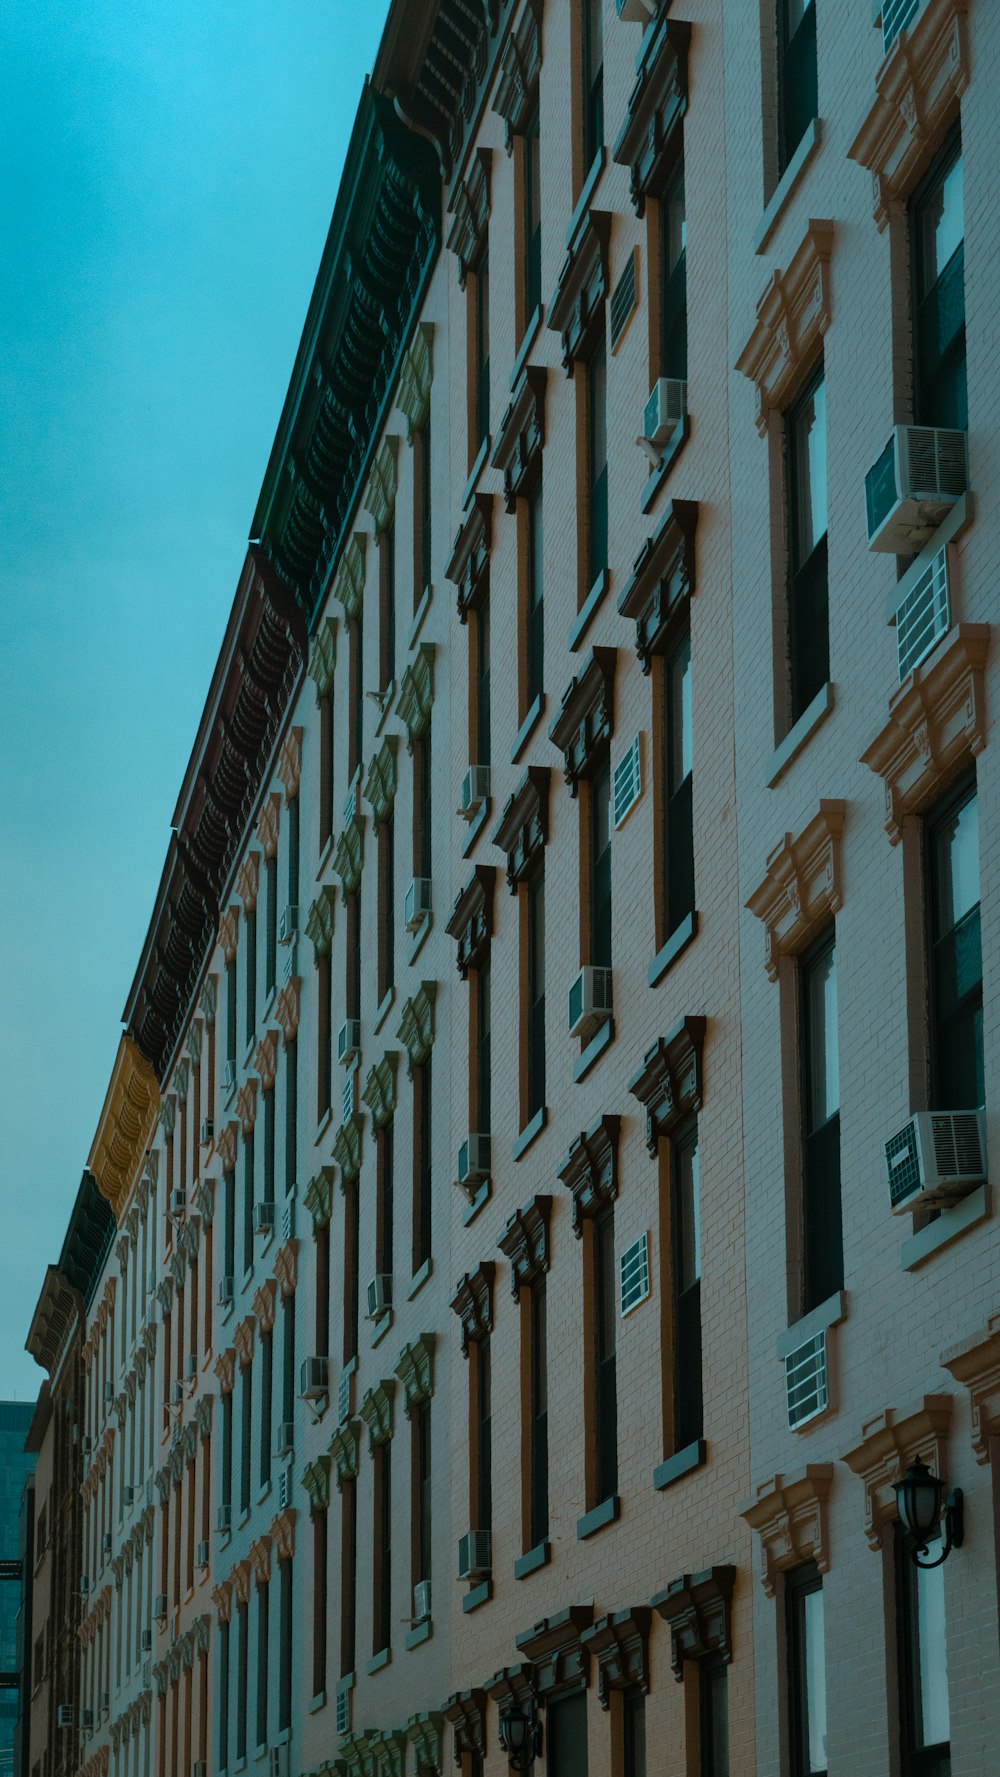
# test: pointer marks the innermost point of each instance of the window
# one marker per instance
(357, 690)
(230, 1015)
(293, 853)
(246, 1422)
(481, 715)
(324, 1035)
(808, 616)
(420, 1421)
(384, 1198)
(605, 1361)
(797, 74)
(291, 1113)
(687, 1341)
(482, 1442)
(251, 950)
(229, 1227)
(956, 961)
(382, 1566)
(387, 599)
(242, 1659)
(349, 1575)
(538, 1442)
(566, 1737)
(593, 81)
(422, 511)
(266, 1382)
(423, 1112)
(269, 1146)
(535, 1009)
(535, 627)
(322, 1251)
(483, 1044)
(353, 982)
(532, 215)
(350, 1285)
(678, 807)
(327, 819)
(422, 807)
(248, 1190)
(227, 1449)
(925, 1726)
(634, 1732)
(599, 799)
(806, 1671)
(822, 1241)
(224, 1693)
(714, 1701)
(596, 374)
(387, 906)
(937, 235)
(481, 361)
(285, 1645)
(320, 1593)
(263, 1649)
(673, 278)
(288, 1359)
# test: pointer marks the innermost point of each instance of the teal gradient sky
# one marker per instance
(167, 177)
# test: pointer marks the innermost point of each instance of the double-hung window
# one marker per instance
(678, 750)
(597, 462)
(599, 798)
(956, 959)
(925, 1722)
(797, 75)
(822, 1238)
(481, 366)
(593, 80)
(605, 1355)
(535, 677)
(806, 1671)
(937, 236)
(808, 612)
(538, 1443)
(686, 1228)
(673, 277)
(535, 1021)
(532, 215)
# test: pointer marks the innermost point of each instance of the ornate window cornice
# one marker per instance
(379, 1089)
(649, 139)
(469, 567)
(260, 1560)
(525, 1242)
(244, 1333)
(792, 316)
(316, 1481)
(416, 694)
(376, 1411)
(204, 1200)
(466, 1711)
(344, 1450)
(790, 1517)
(380, 494)
(470, 209)
(918, 89)
(264, 1304)
(246, 1105)
(558, 1651)
(524, 825)
(518, 69)
(620, 1645)
(229, 933)
(518, 449)
(266, 1060)
(286, 1009)
(286, 1268)
(472, 1301)
(349, 581)
(319, 920)
(590, 1170)
(586, 718)
(662, 580)
(248, 881)
(240, 1578)
(415, 1369)
(976, 1363)
(416, 1025)
(380, 784)
(348, 857)
(347, 1147)
(801, 890)
(282, 1534)
(323, 656)
(576, 311)
(514, 1687)
(225, 1145)
(413, 395)
(423, 1731)
(289, 766)
(125, 1128)
(697, 1608)
(890, 1444)
(668, 1085)
(209, 999)
(937, 722)
(319, 1197)
(471, 922)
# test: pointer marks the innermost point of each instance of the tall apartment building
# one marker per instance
(576, 883)
(16, 1464)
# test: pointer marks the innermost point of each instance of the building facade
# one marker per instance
(511, 1325)
(16, 1514)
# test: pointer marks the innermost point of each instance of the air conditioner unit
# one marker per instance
(475, 1555)
(223, 1520)
(207, 1131)
(278, 1765)
(418, 902)
(229, 1076)
(263, 1216)
(475, 790)
(379, 1295)
(421, 1601)
(663, 413)
(201, 1555)
(474, 1161)
(64, 1715)
(936, 1157)
(160, 1607)
(178, 1202)
(226, 1287)
(286, 1438)
(590, 1001)
(916, 481)
(314, 1378)
(344, 1396)
(896, 15)
(146, 1641)
(86, 1719)
(288, 924)
(191, 1366)
(349, 1040)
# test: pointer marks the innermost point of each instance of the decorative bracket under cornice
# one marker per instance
(919, 86)
(801, 890)
(649, 141)
(524, 825)
(697, 1608)
(525, 1242)
(472, 1301)
(937, 723)
(888, 1447)
(590, 1170)
(790, 1517)
(792, 316)
(469, 566)
(517, 452)
(662, 581)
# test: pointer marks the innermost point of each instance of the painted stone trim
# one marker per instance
(319, 920)
(470, 208)
(472, 1301)
(917, 89)
(662, 581)
(416, 1025)
(517, 452)
(650, 137)
(517, 72)
(289, 766)
(620, 1645)
(415, 1369)
(246, 1105)
(976, 1364)
(379, 498)
(576, 310)
(697, 1608)
(590, 1170)
(937, 723)
(316, 1481)
(416, 694)
(348, 856)
(792, 316)
(466, 1711)
(229, 933)
(282, 1534)
(790, 1518)
(319, 1197)
(379, 1089)
(888, 1446)
(376, 1411)
(669, 1083)
(286, 1009)
(469, 566)
(349, 581)
(344, 1448)
(524, 825)
(286, 1268)
(525, 1242)
(380, 785)
(471, 922)
(514, 1687)
(266, 1060)
(347, 1147)
(586, 718)
(225, 1145)
(424, 1732)
(244, 1334)
(413, 396)
(209, 999)
(248, 881)
(323, 656)
(558, 1650)
(264, 1304)
(801, 890)
(260, 1560)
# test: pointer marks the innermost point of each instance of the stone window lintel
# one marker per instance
(792, 316)
(801, 890)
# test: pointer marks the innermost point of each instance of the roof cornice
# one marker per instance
(126, 1124)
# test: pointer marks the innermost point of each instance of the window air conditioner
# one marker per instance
(896, 15)
(916, 481)
(286, 1438)
(475, 1555)
(64, 1715)
(379, 1295)
(207, 1131)
(288, 924)
(178, 1202)
(418, 902)
(263, 1216)
(146, 1641)
(474, 1161)
(936, 1157)
(223, 1520)
(421, 1601)
(201, 1555)
(226, 1285)
(663, 413)
(314, 1378)
(590, 1000)
(349, 1040)
(475, 790)
(160, 1607)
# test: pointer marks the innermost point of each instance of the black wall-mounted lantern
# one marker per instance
(920, 1501)
(520, 1738)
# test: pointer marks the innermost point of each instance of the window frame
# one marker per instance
(927, 411)
(808, 584)
(820, 1149)
(795, 111)
(800, 1583)
(958, 797)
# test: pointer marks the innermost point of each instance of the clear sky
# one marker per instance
(167, 176)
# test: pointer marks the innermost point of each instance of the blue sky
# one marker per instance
(167, 176)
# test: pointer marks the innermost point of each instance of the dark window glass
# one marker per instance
(484, 1433)
(532, 216)
(266, 1382)
(422, 1436)
(293, 851)
(425, 575)
(229, 1229)
(320, 1598)
(387, 905)
(223, 1695)
(227, 1448)
(387, 568)
(806, 1671)
(357, 728)
(423, 1108)
(678, 735)
(925, 1717)
(714, 1719)
(823, 1248)
(288, 1360)
(384, 1205)
(597, 464)
(350, 1270)
(242, 1657)
(808, 611)
(383, 1547)
(600, 867)
(263, 1615)
(797, 74)
(539, 1411)
(634, 1733)
(269, 1146)
(686, 1217)
(673, 275)
(937, 232)
(231, 1012)
(606, 1379)
(536, 587)
(285, 1644)
(566, 1737)
(593, 80)
(327, 816)
(251, 950)
(349, 1571)
(271, 934)
(246, 1424)
(353, 984)
(248, 1190)
(483, 1044)
(324, 1035)
(291, 1113)
(422, 807)
(536, 994)
(482, 350)
(956, 970)
(482, 646)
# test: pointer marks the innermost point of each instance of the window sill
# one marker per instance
(587, 190)
(482, 457)
(419, 614)
(530, 1132)
(420, 937)
(682, 1463)
(384, 1009)
(244, 1517)
(949, 1225)
(528, 727)
(479, 1202)
(678, 941)
(797, 736)
(263, 1491)
(607, 1512)
(318, 1703)
(478, 1595)
(594, 1050)
(589, 609)
(422, 1632)
(654, 485)
(787, 183)
(539, 1556)
(476, 826)
(379, 1660)
(828, 1314)
(418, 1279)
(530, 335)
(381, 1328)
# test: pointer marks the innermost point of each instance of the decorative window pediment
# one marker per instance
(266, 1060)
(319, 920)
(348, 857)
(286, 1268)
(244, 1334)
(649, 139)
(246, 1106)
(416, 1025)
(380, 784)
(473, 1303)
(323, 657)
(976, 1363)
(263, 1304)
(518, 449)
(386, 1753)
(316, 1481)
(557, 1649)
(229, 933)
(319, 1197)
(376, 1411)
(790, 1517)
(518, 69)
(349, 581)
(524, 824)
(413, 396)
(696, 1606)
(590, 1170)
(282, 1534)
(576, 311)
(225, 1145)
(380, 494)
(286, 1009)
(470, 209)
(937, 719)
(423, 1731)
(469, 567)
(801, 890)
(525, 1242)
(289, 767)
(514, 1687)
(586, 718)
(466, 1711)
(668, 1085)
(222, 1598)
(620, 1645)
(347, 1147)
(344, 1450)
(204, 1200)
(260, 1559)
(415, 1369)
(792, 316)
(208, 999)
(379, 1089)
(890, 1444)
(662, 580)
(248, 881)
(416, 694)
(202, 1417)
(471, 921)
(918, 88)
(182, 1081)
